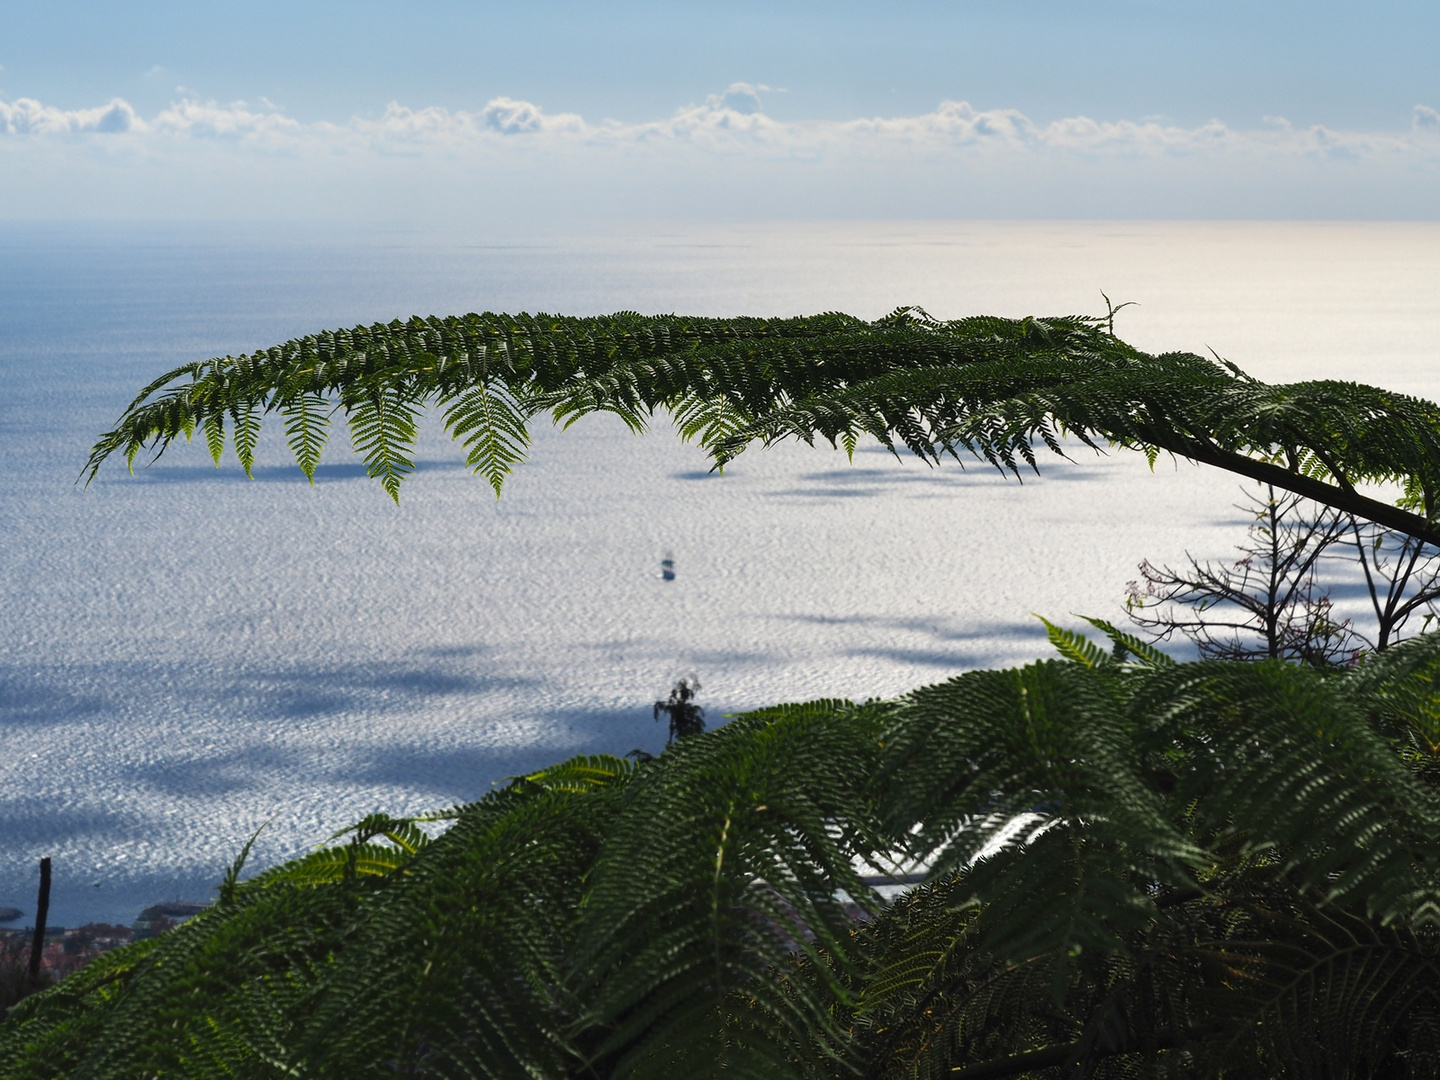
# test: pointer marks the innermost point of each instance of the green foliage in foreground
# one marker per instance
(992, 387)
(1221, 869)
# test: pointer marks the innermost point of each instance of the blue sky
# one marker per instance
(1025, 108)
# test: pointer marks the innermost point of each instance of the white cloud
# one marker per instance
(732, 119)
(26, 116)
(233, 121)
(739, 97)
(723, 155)
(522, 118)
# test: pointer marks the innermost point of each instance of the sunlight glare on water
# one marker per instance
(186, 654)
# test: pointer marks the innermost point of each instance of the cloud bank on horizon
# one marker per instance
(725, 157)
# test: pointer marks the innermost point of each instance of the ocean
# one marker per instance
(187, 655)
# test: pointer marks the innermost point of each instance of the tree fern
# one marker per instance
(995, 388)
(1138, 866)
(726, 858)
(1228, 868)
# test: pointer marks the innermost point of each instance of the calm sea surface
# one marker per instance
(187, 654)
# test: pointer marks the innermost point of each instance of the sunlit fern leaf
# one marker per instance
(328, 865)
(1142, 651)
(382, 430)
(1074, 646)
(245, 434)
(491, 427)
(160, 421)
(581, 774)
(214, 428)
(231, 880)
(404, 833)
(307, 423)
(701, 419)
(358, 858)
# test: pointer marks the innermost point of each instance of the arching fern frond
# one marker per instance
(994, 388)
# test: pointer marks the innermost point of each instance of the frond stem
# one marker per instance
(1050, 1057)
(1350, 502)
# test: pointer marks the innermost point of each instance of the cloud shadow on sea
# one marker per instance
(230, 473)
(54, 822)
(28, 700)
(930, 627)
(311, 691)
(438, 775)
(699, 474)
(245, 768)
(468, 772)
(952, 649)
(70, 693)
(920, 480)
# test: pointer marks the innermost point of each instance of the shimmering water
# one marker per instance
(187, 654)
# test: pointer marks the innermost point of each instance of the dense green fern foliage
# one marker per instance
(993, 387)
(1229, 869)
(1138, 868)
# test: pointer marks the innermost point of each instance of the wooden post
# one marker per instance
(42, 909)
